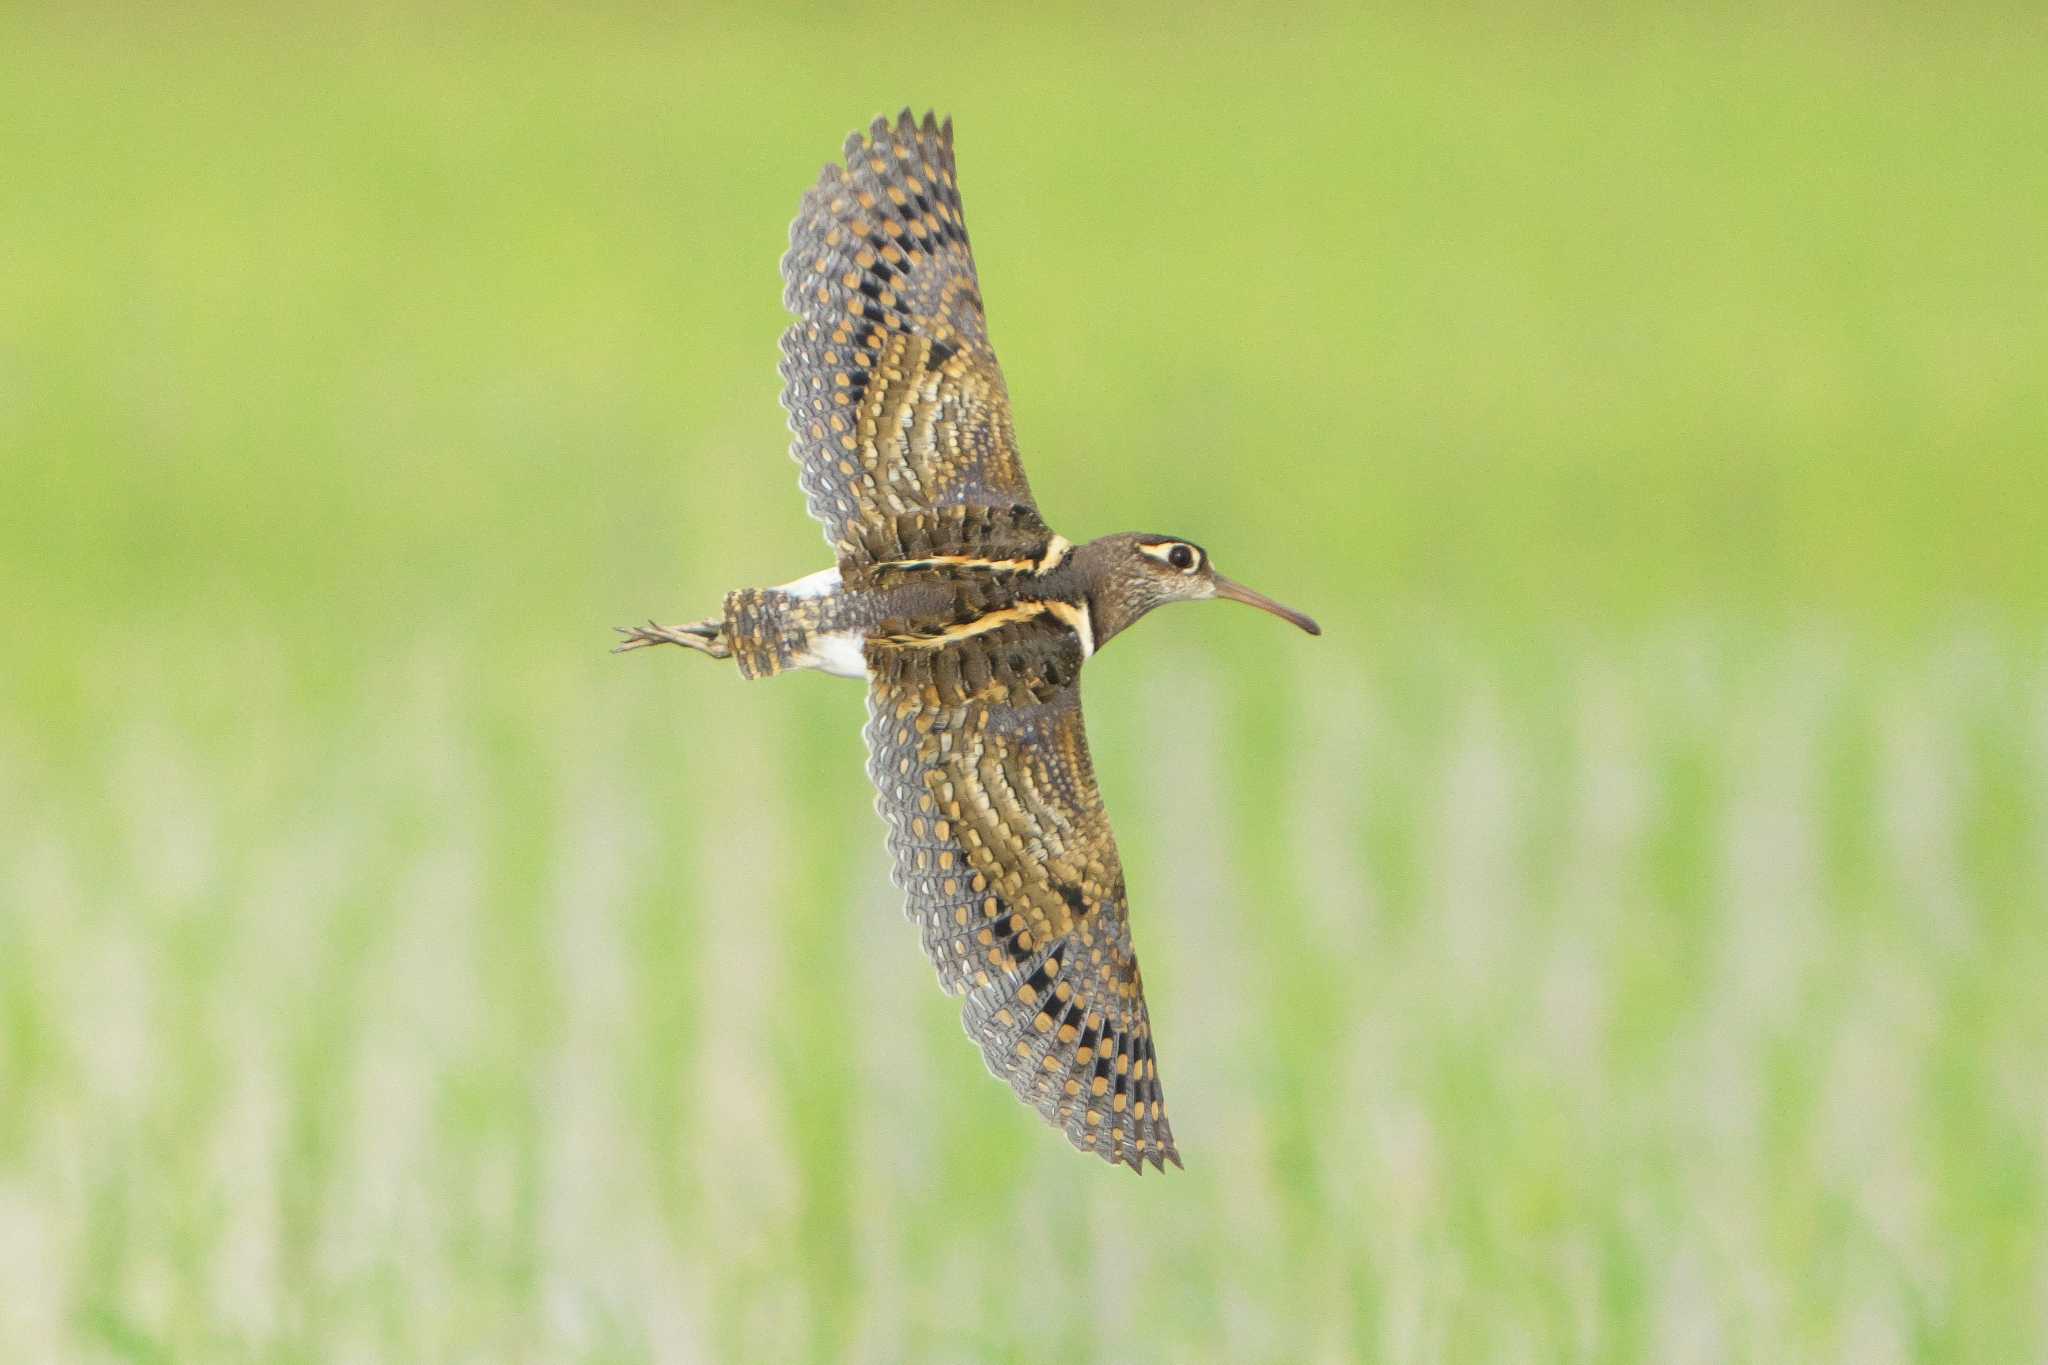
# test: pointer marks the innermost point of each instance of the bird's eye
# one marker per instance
(1181, 557)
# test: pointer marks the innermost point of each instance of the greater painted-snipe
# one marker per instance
(970, 620)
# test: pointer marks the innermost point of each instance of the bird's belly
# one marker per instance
(839, 653)
(823, 583)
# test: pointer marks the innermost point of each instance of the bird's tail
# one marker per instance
(765, 631)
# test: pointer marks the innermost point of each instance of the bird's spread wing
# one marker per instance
(893, 392)
(1004, 850)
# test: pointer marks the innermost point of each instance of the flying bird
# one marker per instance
(970, 620)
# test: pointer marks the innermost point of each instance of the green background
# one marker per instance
(1617, 938)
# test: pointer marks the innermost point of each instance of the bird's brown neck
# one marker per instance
(1112, 605)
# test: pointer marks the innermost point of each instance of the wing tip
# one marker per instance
(1123, 1155)
(905, 127)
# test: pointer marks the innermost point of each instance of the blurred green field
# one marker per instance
(1617, 939)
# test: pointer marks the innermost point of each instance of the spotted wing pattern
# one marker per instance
(1004, 851)
(894, 396)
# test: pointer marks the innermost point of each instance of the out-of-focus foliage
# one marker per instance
(1615, 939)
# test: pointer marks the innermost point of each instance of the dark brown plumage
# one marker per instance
(971, 621)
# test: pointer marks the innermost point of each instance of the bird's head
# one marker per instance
(1130, 574)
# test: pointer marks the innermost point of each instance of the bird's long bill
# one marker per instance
(1238, 592)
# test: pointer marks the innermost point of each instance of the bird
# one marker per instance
(970, 620)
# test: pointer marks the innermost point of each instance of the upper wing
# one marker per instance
(893, 392)
(1004, 850)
